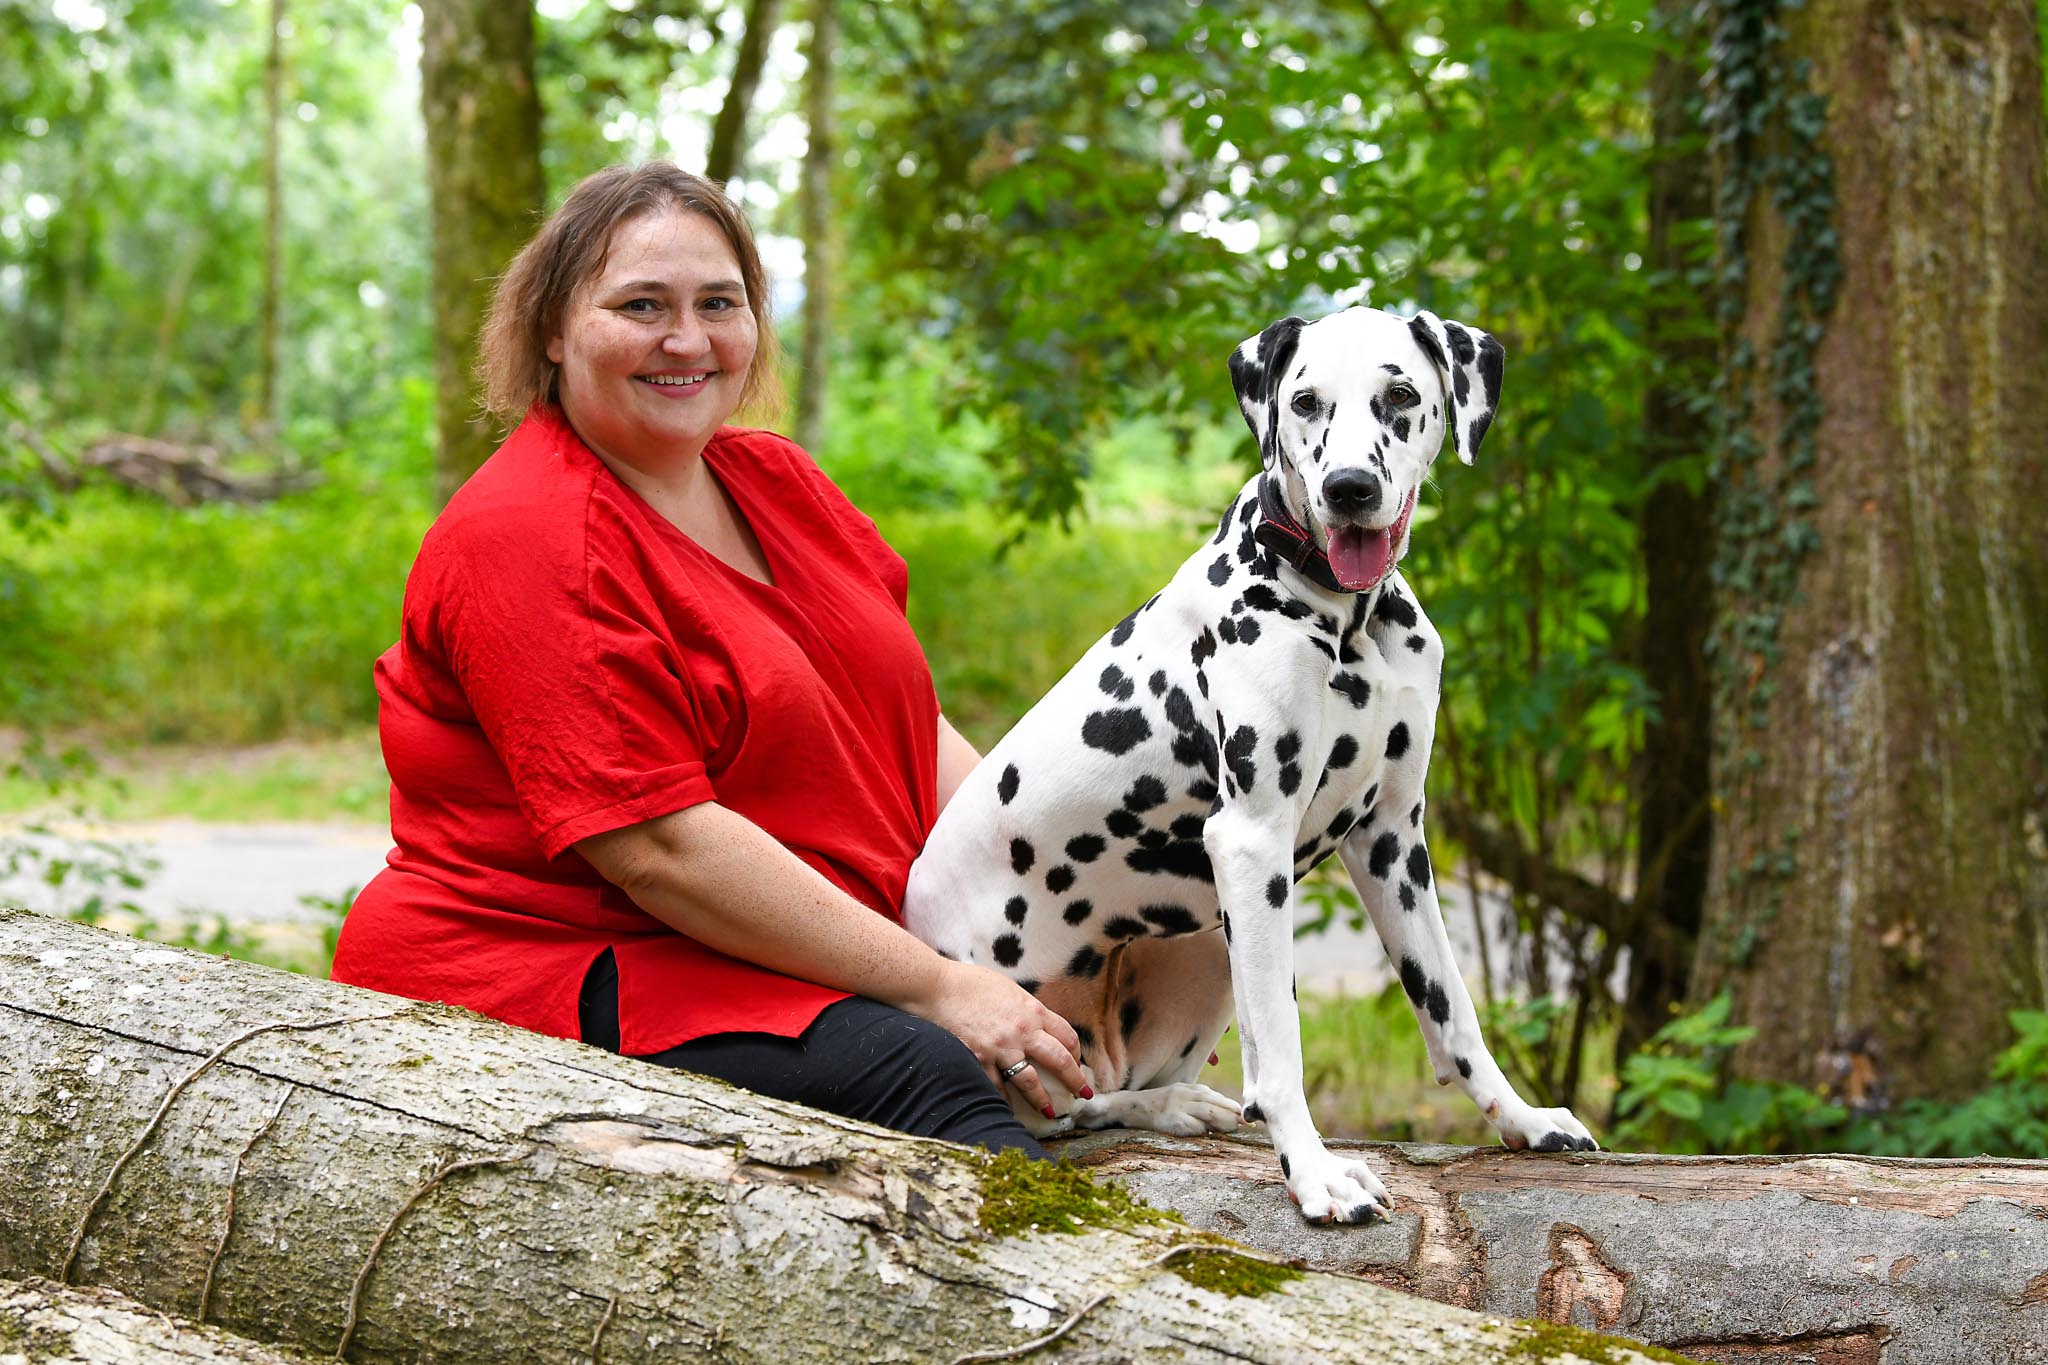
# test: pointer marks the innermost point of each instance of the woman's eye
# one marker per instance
(639, 305)
(720, 305)
(1401, 395)
(1306, 404)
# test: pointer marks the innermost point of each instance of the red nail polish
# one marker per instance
(1087, 1092)
(1048, 1112)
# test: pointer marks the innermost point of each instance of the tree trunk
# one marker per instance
(273, 220)
(1673, 833)
(349, 1173)
(814, 359)
(1880, 894)
(730, 129)
(41, 1321)
(484, 181)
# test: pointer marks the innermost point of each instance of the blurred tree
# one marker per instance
(1674, 829)
(727, 156)
(268, 402)
(483, 168)
(816, 207)
(1880, 899)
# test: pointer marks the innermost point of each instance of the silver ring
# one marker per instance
(1010, 1072)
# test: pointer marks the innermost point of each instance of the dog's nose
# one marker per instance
(1352, 493)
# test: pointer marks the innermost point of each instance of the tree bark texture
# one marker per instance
(814, 359)
(1674, 834)
(1880, 890)
(52, 1325)
(729, 130)
(486, 195)
(352, 1174)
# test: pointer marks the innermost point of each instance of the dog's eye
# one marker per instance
(1401, 395)
(1306, 404)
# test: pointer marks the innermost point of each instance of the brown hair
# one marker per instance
(569, 250)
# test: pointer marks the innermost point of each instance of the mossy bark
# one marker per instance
(1880, 892)
(484, 181)
(383, 1180)
(52, 1325)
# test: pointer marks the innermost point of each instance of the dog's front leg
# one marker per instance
(1389, 864)
(1257, 893)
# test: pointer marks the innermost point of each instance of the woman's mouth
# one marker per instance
(675, 383)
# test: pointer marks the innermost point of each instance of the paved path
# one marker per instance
(256, 875)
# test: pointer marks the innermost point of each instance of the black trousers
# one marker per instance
(860, 1058)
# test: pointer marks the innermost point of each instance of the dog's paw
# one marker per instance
(1544, 1130)
(1334, 1189)
(1184, 1109)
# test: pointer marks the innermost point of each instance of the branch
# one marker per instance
(724, 157)
(1392, 42)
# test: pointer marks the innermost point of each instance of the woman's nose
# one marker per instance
(686, 337)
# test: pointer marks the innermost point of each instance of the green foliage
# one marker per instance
(1676, 1097)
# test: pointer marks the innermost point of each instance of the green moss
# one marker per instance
(1019, 1194)
(1227, 1272)
(1550, 1340)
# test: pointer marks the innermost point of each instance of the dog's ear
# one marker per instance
(1469, 361)
(1256, 370)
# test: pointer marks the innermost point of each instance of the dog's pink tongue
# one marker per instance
(1359, 557)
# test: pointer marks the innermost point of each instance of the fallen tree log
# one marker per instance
(52, 1325)
(351, 1174)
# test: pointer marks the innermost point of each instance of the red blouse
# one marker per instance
(570, 663)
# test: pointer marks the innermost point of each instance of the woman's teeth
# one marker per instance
(675, 379)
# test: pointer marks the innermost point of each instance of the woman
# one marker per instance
(661, 742)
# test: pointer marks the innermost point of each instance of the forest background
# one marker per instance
(1746, 600)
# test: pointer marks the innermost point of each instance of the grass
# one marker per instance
(338, 777)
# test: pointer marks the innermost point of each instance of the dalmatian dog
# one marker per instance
(1129, 852)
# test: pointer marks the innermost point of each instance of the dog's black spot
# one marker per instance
(1464, 1068)
(1122, 927)
(1202, 789)
(1116, 732)
(1223, 526)
(1285, 1170)
(1385, 851)
(1287, 746)
(1086, 963)
(1085, 1034)
(1188, 826)
(1180, 858)
(1180, 712)
(1021, 856)
(1276, 892)
(1237, 755)
(1309, 850)
(1030, 984)
(1008, 950)
(1006, 787)
(1123, 629)
(1416, 643)
(1414, 980)
(1395, 608)
(1324, 647)
(1227, 629)
(1407, 894)
(1397, 739)
(1418, 865)
(1353, 689)
(1189, 1048)
(1123, 824)
(1259, 597)
(1254, 1114)
(1247, 630)
(1290, 778)
(1128, 1017)
(1086, 848)
(1401, 428)
(1340, 825)
(1219, 572)
(1157, 682)
(1153, 838)
(1415, 815)
(1171, 919)
(1059, 879)
(1202, 682)
(1196, 749)
(1144, 794)
(1343, 752)
(1077, 911)
(1204, 647)
(1115, 683)
(1372, 795)
(1015, 911)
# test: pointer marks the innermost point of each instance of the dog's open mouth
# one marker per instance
(1361, 559)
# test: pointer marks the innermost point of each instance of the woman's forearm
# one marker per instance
(721, 879)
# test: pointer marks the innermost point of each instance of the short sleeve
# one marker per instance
(569, 665)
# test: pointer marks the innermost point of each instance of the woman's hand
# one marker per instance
(1002, 1024)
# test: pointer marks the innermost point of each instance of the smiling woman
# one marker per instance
(662, 744)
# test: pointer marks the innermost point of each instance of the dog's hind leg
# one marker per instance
(1167, 1005)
